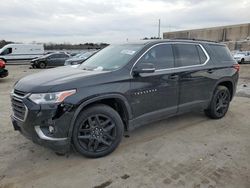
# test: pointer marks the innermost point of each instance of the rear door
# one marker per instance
(62, 58)
(57, 59)
(51, 60)
(155, 93)
(195, 80)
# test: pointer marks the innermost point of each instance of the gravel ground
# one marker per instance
(184, 151)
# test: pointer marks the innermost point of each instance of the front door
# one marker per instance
(155, 93)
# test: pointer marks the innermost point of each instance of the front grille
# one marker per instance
(19, 93)
(19, 109)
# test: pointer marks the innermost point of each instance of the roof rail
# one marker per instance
(196, 39)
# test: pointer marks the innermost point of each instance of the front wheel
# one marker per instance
(98, 131)
(219, 104)
(42, 65)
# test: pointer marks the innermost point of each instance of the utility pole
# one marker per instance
(159, 29)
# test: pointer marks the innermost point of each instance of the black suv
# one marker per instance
(120, 88)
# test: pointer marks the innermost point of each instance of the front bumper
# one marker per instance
(61, 146)
(38, 121)
(34, 64)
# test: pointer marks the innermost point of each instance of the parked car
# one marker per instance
(3, 72)
(120, 88)
(242, 57)
(50, 60)
(14, 52)
(79, 58)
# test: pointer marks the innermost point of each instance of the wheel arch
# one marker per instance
(116, 101)
(3, 59)
(227, 82)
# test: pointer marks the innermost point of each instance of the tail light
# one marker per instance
(237, 67)
(2, 64)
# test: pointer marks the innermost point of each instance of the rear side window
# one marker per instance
(188, 55)
(161, 56)
(58, 56)
(221, 52)
(53, 56)
(63, 56)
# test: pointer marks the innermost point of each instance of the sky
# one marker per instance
(112, 21)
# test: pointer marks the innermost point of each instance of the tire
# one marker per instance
(219, 104)
(42, 65)
(242, 61)
(98, 131)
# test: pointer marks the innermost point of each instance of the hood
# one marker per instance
(39, 58)
(239, 55)
(53, 79)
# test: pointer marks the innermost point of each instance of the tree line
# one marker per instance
(65, 46)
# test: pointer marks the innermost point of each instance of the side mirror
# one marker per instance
(144, 68)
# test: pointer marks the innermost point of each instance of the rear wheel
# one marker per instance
(98, 131)
(220, 103)
(242, 60)
(42, 65)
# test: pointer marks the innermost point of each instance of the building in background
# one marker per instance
(237, 37)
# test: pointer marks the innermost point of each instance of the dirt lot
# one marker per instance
(185, 151)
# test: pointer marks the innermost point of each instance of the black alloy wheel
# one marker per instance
(220, 103)
(98, 131)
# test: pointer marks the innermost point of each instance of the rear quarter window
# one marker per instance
(221, 53)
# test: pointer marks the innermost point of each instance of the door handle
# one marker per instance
(210, 71)
(173, 76)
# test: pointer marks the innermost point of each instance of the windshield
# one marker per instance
(112, 57)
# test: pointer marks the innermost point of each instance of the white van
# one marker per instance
(15, 52)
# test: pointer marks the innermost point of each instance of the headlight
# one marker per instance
(48, 98)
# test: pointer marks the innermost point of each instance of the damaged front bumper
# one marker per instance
(46, 125)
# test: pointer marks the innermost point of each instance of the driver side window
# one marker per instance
(161, 56)
(7, 51)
